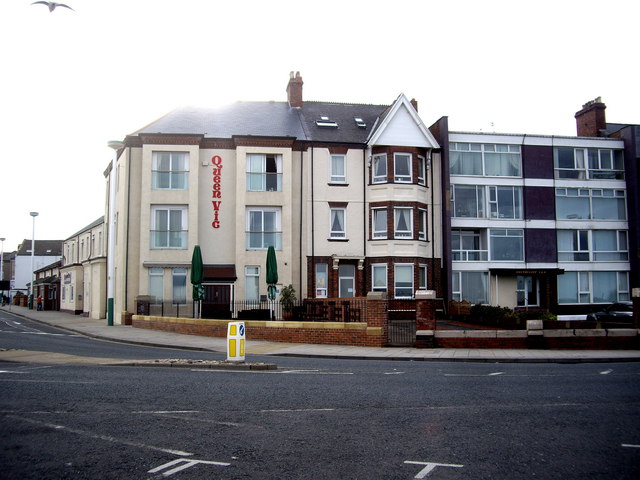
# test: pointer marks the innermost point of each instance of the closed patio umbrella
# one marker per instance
(272, 275)
(197, 276)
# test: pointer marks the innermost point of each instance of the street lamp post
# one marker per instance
(111, 251)
(33, 251)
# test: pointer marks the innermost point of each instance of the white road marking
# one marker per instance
(495, 373)
(313, 372)
(167, 411)
(430, 467)
(606, 372)
(101, 437)
(629, 445)
(393, 373)
(299, 410)
(188, 462)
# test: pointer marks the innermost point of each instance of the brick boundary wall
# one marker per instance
(374, 331)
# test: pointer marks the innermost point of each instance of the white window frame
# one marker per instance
(379, 159)
(322, 279)
(422, 170)
(495, 233)
(402, 234)
(179, 273)
(423, 229)
(457, 291)
(277, 234)
(495, 207)
(252, 276)
(484, 149)
(261, 173)
(396, 266)
(479, 202)
(585, 284)
(182, 232)
(423, 271)
(591, 195)
(402, 178)
(379, 287)
(336, 177)
(156, 273)
(174, 172)
(377, 233)
(338, 234)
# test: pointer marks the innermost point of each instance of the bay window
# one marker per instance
(380, 168)
(379, 277)
(403, 280)
(402, 167)
(403, 221)
(379, 222)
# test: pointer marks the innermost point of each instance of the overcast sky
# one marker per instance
(73, 80)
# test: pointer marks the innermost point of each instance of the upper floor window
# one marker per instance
(379, 223)
(169, 227)
(263, 228)
(588, 204)
(507, 245)
(170, 170)
(484, 159)
(402, 167)
(403, 221)
(588, 163)
(338, 228)
(422, 170)
(338, 169)
(422, 224)
(502, 202)
(380, 168)
(593, 245)
(264, 172)
(468, 245)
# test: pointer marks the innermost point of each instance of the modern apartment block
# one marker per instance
(544, 222)
(360, 198)
(349, 196)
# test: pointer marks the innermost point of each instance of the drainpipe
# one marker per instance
(126, 241)
(365, 220)
(313, 235)
(115, 145)
(429, 155)
(301, 215)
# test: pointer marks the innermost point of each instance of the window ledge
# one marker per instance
(337, 239)
(337, 184)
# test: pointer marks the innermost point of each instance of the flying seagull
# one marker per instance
(52, 5)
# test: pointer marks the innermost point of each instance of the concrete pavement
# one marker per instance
(128, 334)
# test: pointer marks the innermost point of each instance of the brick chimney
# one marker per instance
(414, 103)
(591, 119)
(294, 90)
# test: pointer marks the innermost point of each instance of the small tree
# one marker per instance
(288, 298)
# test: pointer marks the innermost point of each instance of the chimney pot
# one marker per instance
(591, 119)
(294, 90)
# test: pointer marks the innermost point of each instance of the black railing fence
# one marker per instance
(309, 310)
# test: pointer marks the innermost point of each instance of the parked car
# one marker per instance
(616, 312)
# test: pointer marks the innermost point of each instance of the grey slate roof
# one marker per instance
(271, 119)
(43, 248)
(95, 223)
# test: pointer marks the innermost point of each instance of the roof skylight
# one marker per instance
(360, 122)
(324, 121)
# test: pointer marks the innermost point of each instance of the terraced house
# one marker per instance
(349, 195)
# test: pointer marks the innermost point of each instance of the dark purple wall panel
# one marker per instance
(540, 245)
(539, 203)
(537, 161)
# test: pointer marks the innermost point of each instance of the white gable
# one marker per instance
(402, 127)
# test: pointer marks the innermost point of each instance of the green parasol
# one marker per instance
(272, 273)
(197, 274)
